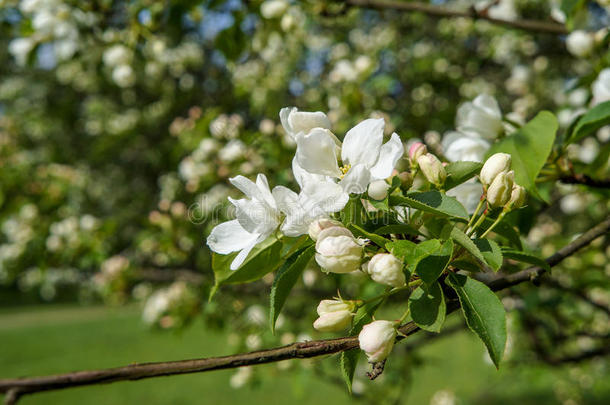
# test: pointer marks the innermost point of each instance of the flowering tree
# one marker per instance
(385, 224)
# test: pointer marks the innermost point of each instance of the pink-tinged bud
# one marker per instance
(416, 150)
(500, 190)
(378, 189)
(377, 340)
(432, 168)
(517, 197)
(337, 251)
(334, 315)
(496, 164)
(386, 268)
(319, 225)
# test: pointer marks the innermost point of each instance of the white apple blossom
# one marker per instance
(364, 157)
(580, 43)
(468, 194)
(273, 8)
(257, 218)
(20, 48)
(296, 122)
(458, 146)
(482, 116)
(601, 87)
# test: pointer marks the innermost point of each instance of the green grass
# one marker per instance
(37, 341)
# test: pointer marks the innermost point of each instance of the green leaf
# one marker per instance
(467, 265)
(491, 252)
(427, 307)
(403, 249)
(431, 258)
(591, 121)
(377, 239)
(285, 279)
(349, 359)
(464, 240)
(353, 213)
(529, 148)
(526, 258)
(484, 313)
(400, 229)
(459, 172)
(433, 202)
(263, 259)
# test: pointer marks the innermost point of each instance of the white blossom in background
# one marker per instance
(468, 194)
(273, 8)
(117, 55)
(241, 377)
(458, 146)
(601, 87)
(124, 76)
(503, 10)
(580, 43)
(20, 48)
(482, 117)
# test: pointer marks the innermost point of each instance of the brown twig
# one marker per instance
(585, 180)
(14, 388)
(439, 11)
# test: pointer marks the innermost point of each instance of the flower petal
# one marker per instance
(324, 198)
(265, 192)
(243, 254)
(303, 177)
(303, 121)
(246, 186)
(362, 142)
(463, 147)
(229, 237)
(356, 180)
(287, 200)
(316, 152)
(389, 154)
(284, 114)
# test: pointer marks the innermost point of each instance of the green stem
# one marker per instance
(392, 291)
(496, 222)
(476, 211)
(477, 224)
(403, 317)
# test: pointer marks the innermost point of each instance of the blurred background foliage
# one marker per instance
(121, 121)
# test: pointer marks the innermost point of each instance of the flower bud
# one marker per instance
(319, 225)
(406, 180)
(337, 251)
(334, 315)
(497, 163)
(377, 340)
(580, 43)
(517, 197)
(416, 150)
(378, 189)
(432, 168)
(500, 190)
(386, 268)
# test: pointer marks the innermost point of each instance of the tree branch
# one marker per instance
(15, 388)
(585, 180)
(438, 11)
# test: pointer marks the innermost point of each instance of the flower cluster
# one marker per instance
(346, 188)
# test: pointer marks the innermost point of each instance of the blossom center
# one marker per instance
(344, 170)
